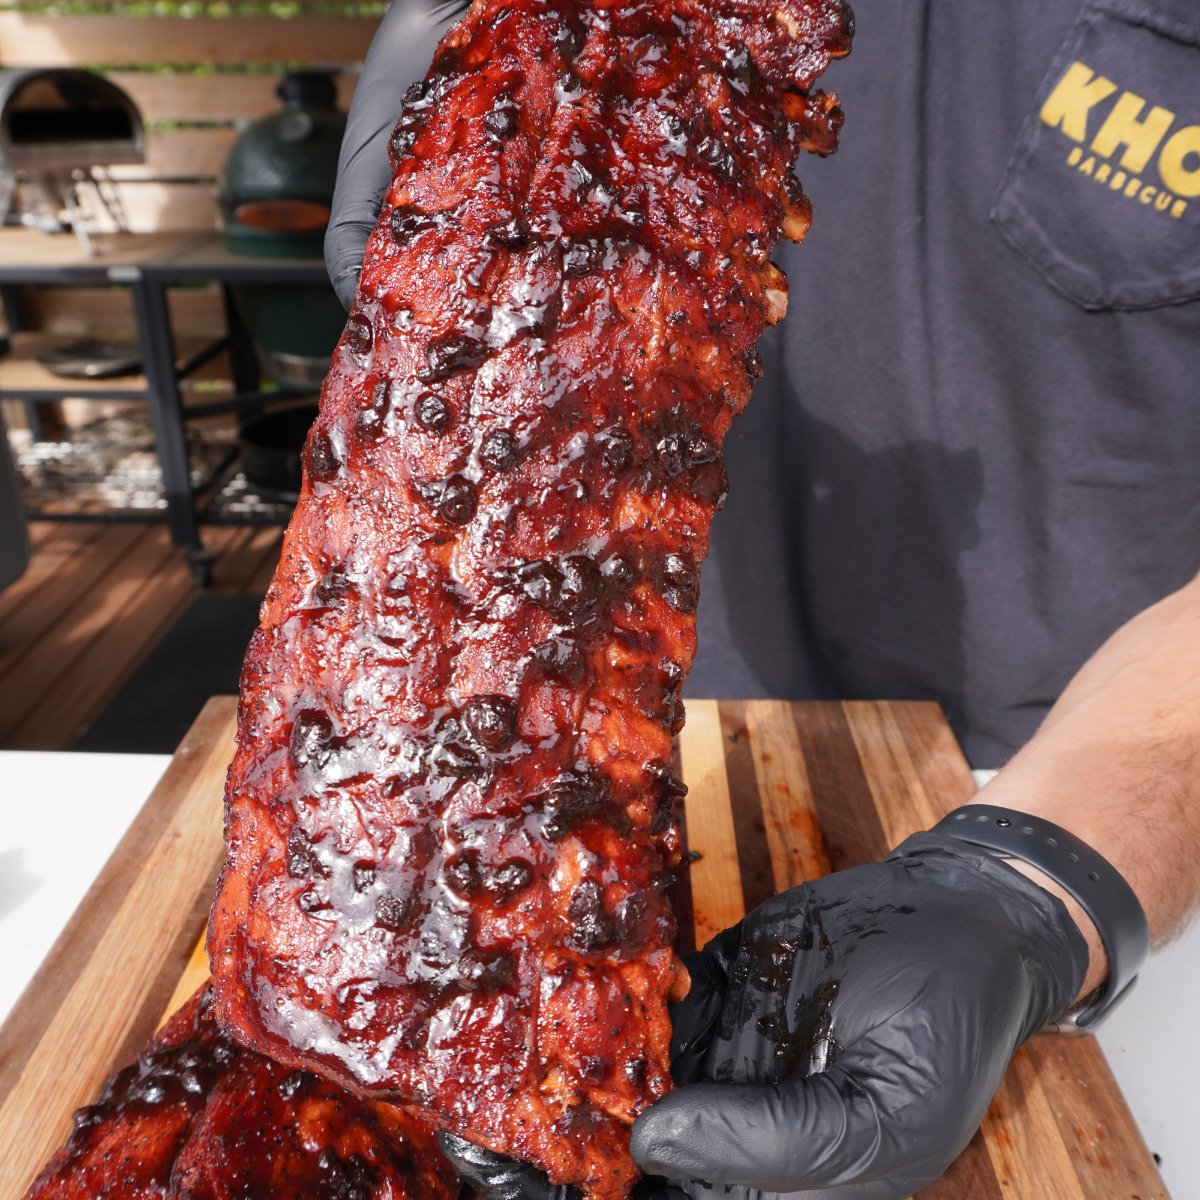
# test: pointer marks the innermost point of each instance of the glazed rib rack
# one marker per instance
(450, 815)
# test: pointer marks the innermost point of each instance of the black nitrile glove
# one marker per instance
(846, 1038)
(400, 54)
(852, 1032)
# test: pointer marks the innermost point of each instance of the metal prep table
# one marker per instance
(149, 265)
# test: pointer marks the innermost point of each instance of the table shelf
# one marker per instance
(150, 265)
(22, 377)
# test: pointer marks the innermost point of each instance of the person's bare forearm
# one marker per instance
(1117, 762)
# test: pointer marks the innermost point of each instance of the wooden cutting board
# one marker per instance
(778, 793)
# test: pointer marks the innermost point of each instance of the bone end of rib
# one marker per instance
(789, 24)
(775, 294)
(796, 222)
(681, 982)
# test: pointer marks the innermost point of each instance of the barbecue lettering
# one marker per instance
(1128, 134)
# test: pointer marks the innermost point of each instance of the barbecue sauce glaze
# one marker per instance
(450, 814)
(197, 1116)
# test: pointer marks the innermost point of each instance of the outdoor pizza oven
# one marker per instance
(55, 121)
(60, 131)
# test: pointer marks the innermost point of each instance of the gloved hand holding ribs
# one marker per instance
(845, 1039)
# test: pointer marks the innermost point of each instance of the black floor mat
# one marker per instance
(199, 656)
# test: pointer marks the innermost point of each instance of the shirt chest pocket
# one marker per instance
(1102, 193)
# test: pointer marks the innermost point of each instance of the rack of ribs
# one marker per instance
(450, 817)
(196, 1116)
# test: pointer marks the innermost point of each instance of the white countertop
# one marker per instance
(62, 815)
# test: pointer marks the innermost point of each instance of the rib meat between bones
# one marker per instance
(450, 823)
(197, 1117)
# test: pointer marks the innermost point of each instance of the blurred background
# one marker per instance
(165, 176)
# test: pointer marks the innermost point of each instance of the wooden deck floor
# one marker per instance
(92, 603)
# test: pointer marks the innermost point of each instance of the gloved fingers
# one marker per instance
(400, 54)
(495, 1177)
(694, 1018)
(819, 1132)
(356, 213)
(721, 951)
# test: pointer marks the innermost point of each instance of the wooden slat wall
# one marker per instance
(202, 77)
(200, 80)
(228, 97)
(171, 207)
(187, 152)
(36, 40)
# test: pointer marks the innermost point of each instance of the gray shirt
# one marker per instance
(976, 448)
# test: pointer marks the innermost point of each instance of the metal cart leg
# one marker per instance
(14, 324)
(158, 359)
(33, 419)
(12, 308)
(243, 358)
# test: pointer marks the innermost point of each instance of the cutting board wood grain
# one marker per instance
(778, 793)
